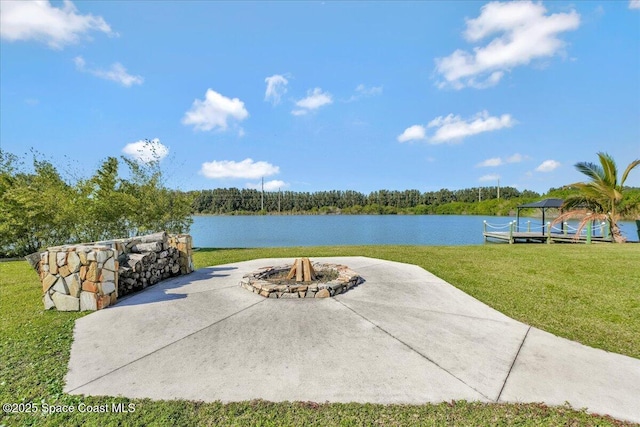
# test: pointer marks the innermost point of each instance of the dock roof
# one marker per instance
(546, 203)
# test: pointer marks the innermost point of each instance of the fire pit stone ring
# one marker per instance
(325, 280)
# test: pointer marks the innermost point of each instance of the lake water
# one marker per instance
(323, 230)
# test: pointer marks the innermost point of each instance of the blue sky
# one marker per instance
(325, 95)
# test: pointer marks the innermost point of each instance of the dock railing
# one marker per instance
(548, 233)
(509, 228)
(542, 228)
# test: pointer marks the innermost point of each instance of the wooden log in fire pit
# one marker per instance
(302, 270)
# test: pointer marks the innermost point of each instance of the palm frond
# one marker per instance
(581, 202)
(627, 170)
(609, 168)
(617, 196)
(592, 170)
(601, 191)
(594, 191)
(572, 202)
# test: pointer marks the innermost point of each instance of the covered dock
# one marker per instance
(542, 205)
(544, 233)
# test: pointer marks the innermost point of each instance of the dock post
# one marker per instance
(565, 228)
(589, 231)
(511, 225)
(548, 232)
(484, 230)
(529, 226)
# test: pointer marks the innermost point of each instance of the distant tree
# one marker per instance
(149, 205)
(106, 208)
(601, 198)
(36, 208)
(529, 194)
(39, 208)
(630, 206)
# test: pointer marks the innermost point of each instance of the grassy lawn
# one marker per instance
(590, 294)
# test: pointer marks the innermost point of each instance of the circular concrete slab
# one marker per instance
(414, 340)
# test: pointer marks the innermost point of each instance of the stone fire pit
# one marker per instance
(330, 280)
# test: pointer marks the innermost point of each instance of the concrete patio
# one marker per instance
(403, 336)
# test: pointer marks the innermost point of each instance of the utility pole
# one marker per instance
(262, 198)
(479, 194)
(278, 200)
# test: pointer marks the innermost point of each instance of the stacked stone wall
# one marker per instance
(79, 277)
(92, 276)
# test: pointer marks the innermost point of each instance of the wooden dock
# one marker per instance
(544, 234)
(532, 237)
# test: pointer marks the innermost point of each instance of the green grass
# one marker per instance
(590, 294)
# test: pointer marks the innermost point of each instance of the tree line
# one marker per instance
(468, 201)
(248, 201)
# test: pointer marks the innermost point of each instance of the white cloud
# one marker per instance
(116, 73)
(273, 185)
(523, 32)
(247, 169)
(413, 133)
(452, 128)
(492, 162)
(497, 161)
(548, 166)
(516, 158)
(80, 63)
(146, 151)
(634, 4)
(314, 100)
(276, 87)
(490, 177)
(214, 111)
(41, 21)
(368, 91)
(365, 92)
(493, 79)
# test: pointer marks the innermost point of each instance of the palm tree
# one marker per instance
(601, 197)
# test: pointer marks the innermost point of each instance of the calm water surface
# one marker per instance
(320, 230)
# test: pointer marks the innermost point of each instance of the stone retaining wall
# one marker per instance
(91, 276)
(78, 277)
